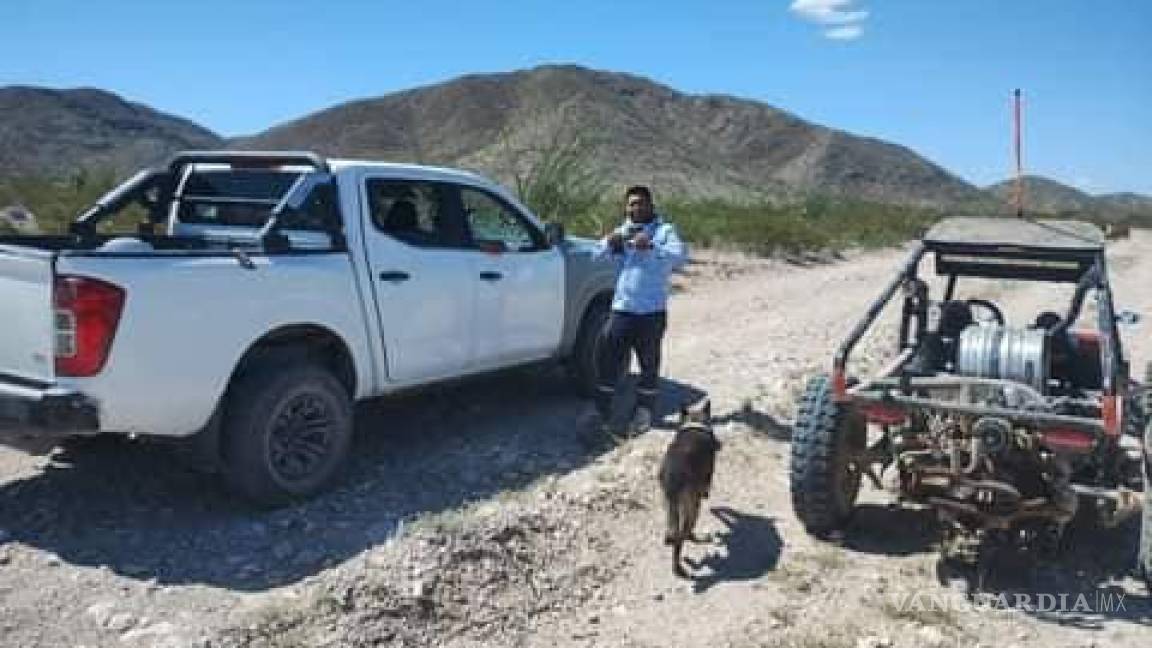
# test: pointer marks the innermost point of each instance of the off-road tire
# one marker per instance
(824, 479)
(287, 431)
(1145, 554)
(583, 364)
(1147, 386)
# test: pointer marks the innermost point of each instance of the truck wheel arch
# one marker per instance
(288, 344)
(302, 342)
(600, 299)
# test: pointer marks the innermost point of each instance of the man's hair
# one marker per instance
(639, 190)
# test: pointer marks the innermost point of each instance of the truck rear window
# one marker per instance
(242, 198)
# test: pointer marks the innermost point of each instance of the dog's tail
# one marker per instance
(689, 509)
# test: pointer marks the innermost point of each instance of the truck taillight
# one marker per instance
(87, 314)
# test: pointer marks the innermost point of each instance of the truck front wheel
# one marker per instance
(583, 365)
(287, 431)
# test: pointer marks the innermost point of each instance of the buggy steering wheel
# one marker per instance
(993, 309)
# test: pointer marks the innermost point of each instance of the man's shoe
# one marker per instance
(641, 421)
(593, 421)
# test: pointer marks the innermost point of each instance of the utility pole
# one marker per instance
(1019, 163)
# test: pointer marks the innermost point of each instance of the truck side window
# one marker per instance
(411, 211)
(495, 226)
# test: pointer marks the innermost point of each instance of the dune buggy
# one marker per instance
(1006, 430)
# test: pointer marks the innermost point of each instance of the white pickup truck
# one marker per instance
(261, 294)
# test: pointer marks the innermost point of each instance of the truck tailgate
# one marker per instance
(26, 327)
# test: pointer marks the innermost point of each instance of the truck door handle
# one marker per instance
(394, 276)
(489, 275)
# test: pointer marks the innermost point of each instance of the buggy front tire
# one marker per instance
(824, 476)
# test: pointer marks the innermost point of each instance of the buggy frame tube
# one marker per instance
(950, 290)
(1110, 352)
(839, 381)
(1020, 417)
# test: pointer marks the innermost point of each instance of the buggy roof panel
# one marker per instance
(1052, 236)
(1007, 248)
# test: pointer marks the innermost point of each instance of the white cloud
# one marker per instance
(844, 32)
(829, 12)
(842, 19)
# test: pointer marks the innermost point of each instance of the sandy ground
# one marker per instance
(481, 515)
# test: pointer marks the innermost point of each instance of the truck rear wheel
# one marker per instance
(287, 431)
(824, 477)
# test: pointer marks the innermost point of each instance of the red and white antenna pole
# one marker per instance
(1019, 164)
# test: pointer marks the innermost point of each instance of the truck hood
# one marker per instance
(580, 246)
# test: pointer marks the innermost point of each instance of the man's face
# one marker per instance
(639, 208)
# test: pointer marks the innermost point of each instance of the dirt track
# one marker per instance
(480, 515)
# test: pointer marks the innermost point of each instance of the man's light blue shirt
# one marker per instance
(642, 276)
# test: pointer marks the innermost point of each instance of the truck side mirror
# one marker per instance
(554, 233)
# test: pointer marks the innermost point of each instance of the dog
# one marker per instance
(686, 476)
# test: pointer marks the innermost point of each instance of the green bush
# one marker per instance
(55, 202)
(560, 182)
(815, 224)
(563, 185)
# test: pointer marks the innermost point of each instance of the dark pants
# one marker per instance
(626, 332)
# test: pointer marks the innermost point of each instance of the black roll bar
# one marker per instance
(249, 158)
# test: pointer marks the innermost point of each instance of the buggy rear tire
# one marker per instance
(825, 479)
(1145, 554)
(1147, 400)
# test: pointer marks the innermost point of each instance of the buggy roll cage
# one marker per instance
(168, 180)
(1085, 266)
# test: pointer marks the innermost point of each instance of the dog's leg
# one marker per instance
(678, 504)
(672, 510)
(677, 566)
(690, 501)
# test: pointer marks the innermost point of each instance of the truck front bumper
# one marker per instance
(34, 418)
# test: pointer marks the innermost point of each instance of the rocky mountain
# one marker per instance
(638, 130)
(1127, 202)
(633, 129)
(46, 132)
(1049, 196)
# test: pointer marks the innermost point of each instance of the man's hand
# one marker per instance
(642, 241)
(615, 242)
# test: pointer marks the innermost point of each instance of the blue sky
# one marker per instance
(934, 75)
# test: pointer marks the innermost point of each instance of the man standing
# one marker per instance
(646, 251)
